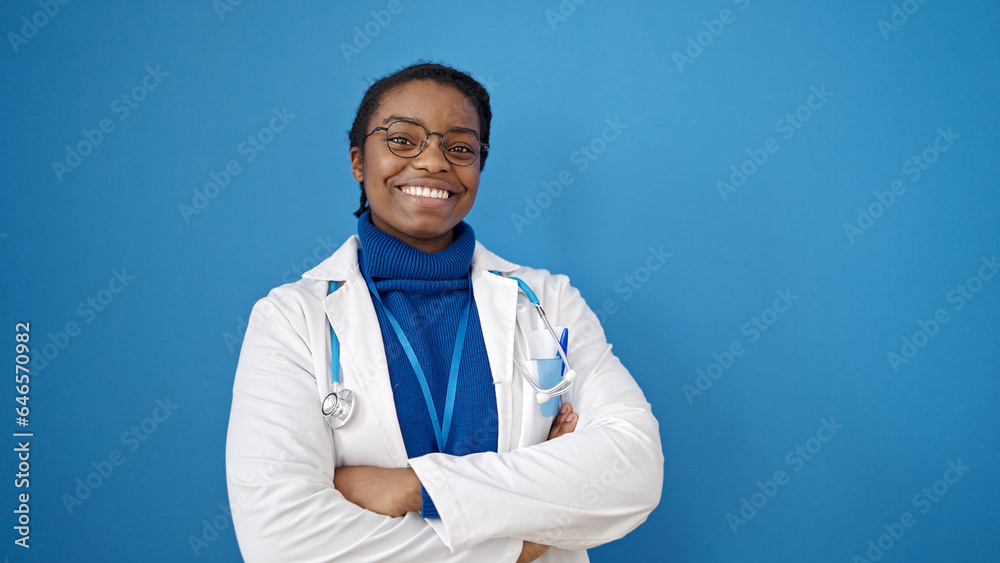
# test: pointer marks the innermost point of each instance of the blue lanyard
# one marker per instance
(441, 430)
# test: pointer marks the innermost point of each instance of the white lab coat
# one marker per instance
(575, 492)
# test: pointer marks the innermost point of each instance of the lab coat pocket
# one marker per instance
(546, 369)
(535, 424)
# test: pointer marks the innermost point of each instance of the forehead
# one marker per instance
(436, 106)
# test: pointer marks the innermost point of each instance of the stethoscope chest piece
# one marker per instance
(338, 407)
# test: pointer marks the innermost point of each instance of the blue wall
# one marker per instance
(815, 186)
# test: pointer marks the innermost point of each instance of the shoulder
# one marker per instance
(296, 296)
(557, 295)
(289, 309)
(305, 295)
(488, 260)
(551, 288)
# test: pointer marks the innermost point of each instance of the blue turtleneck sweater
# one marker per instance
(427, 293)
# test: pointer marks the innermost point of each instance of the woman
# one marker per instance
(428, 321)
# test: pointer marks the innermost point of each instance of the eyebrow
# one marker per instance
(393, 118)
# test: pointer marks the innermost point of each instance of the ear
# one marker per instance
(356, 164)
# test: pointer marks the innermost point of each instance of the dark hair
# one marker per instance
(468, 86)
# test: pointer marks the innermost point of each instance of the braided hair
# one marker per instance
(446, 75)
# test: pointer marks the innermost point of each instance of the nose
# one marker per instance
(432, 158)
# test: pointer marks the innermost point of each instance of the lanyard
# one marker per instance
(441, 429)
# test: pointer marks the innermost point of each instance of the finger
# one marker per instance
(566, 412)
(570, 424)
(560, 418)
(554, 431)
(566, 427)
(564, 423)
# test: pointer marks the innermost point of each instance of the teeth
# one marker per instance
(433, 193)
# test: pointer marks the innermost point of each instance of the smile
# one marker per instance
(433, 193)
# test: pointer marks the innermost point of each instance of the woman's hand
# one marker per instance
(392, 492)
(531, 551)
(564, 423)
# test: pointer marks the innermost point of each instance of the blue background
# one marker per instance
(556, 72)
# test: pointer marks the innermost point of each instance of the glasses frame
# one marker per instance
(483, 147)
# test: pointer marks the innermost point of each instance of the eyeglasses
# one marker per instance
(407, 139)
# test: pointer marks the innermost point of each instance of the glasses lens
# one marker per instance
(404, 139)
(461, 146)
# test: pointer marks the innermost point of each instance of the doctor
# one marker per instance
(489, 478)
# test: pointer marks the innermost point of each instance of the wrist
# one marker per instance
(412, 496)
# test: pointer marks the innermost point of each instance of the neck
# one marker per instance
(430, 245)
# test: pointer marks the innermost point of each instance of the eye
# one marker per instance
(461, 143)
(399, 140)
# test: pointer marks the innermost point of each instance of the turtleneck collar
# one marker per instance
(385, 256)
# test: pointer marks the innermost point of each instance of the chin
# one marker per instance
(426, 231)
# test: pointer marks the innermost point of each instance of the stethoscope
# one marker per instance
(339, 405)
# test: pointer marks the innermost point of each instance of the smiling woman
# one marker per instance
(419, 189)
(439, 450)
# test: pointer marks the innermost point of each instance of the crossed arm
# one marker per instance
(396, 491)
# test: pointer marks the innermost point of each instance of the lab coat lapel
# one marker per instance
(362, 356)
(496, 302)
